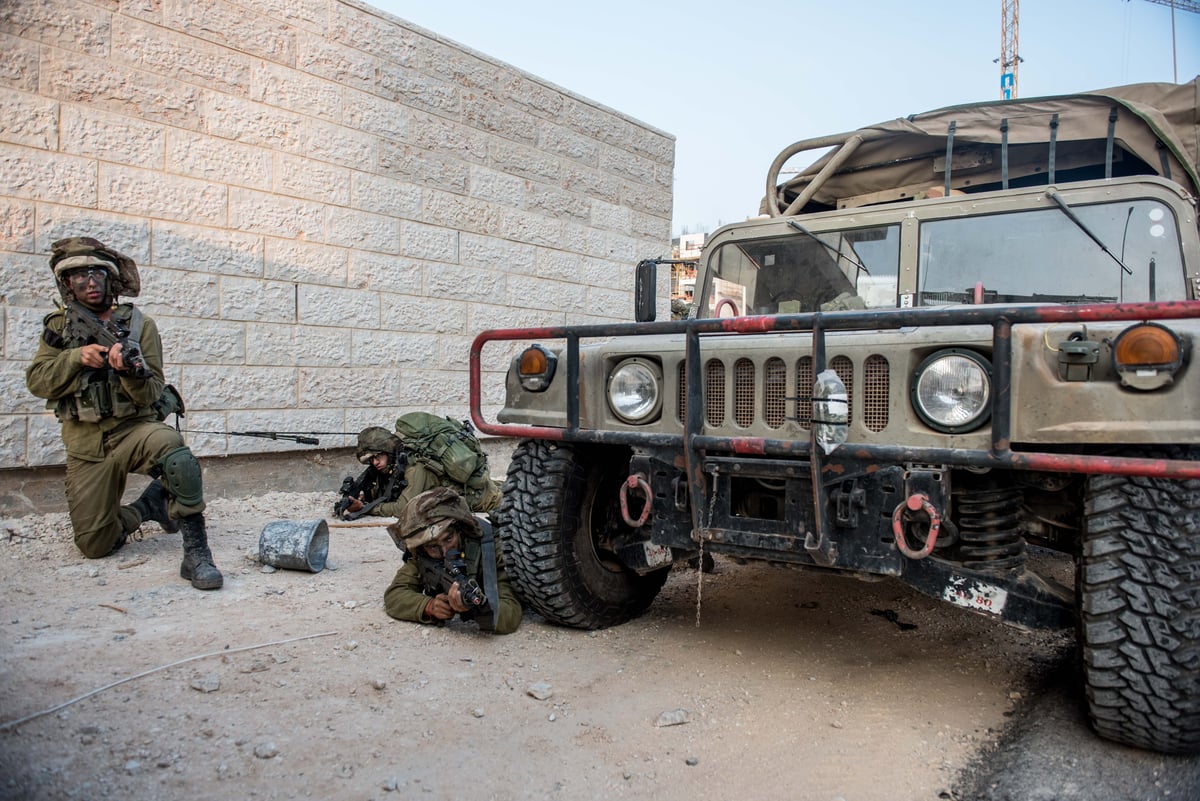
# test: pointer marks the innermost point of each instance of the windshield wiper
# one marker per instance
(837, 254)
(1073, 217)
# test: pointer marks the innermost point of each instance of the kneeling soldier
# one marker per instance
(100, 366)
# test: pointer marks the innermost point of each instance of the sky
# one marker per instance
(737, 82)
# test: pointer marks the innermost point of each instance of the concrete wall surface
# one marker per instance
(327, 204)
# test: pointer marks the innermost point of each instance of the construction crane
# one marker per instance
(1182, 5)
(1009, 59)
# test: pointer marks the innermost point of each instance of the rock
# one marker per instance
(209, 683)
(692, 761)
(540, 690)
(673, 717)
(391, 785)
(379, 684)
(268, 569)
(267, 750)
(477, 712)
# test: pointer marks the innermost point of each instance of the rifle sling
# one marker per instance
(491, 586)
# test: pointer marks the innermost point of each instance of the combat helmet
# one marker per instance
(429, 515)
(76, 252)
(376, 439)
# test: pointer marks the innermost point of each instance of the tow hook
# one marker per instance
(638, 482)
(903, 518)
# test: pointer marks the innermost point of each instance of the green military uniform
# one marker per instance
(405, 598)
(101, 454)
(481, 497)
(110, 426)
(420, 474)
(417, 475)
(433, 516)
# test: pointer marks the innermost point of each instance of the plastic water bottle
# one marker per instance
(830, 410)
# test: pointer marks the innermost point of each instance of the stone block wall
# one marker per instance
(326, 202)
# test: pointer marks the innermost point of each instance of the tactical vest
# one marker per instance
(98, 394)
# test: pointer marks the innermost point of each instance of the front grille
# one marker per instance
(714, 392)
(743, 393)
(767, 383)
(774, 392)
(876, 391)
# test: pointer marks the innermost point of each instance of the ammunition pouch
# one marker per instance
(98, 399)
(181, 476)
(169, 402)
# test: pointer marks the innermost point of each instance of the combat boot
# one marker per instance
(152, 504)
(197, 565)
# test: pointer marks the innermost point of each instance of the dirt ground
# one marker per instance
(291, 684)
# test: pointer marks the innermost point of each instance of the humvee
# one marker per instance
(954, 345)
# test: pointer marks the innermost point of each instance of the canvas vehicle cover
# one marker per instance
(1150, 125)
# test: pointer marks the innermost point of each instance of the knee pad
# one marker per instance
(181, 476)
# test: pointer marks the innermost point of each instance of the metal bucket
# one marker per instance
(294, 544)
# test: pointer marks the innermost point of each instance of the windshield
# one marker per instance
(1043, 257)
(804, 272)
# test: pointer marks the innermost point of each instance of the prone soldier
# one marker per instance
(451, 566)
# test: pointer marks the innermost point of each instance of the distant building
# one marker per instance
(683, 276)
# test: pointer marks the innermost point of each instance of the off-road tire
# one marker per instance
(1139, 598)
(557, 499)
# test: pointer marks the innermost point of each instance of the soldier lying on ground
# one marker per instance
(451, 566)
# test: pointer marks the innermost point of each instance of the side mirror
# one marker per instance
(645, 282)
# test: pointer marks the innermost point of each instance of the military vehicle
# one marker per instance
(955, 351)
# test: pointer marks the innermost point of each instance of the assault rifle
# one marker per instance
(108, 333)
(438, 577)
(351, 488)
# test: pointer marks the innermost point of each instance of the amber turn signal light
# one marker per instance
(535, 368)
(1147, 356)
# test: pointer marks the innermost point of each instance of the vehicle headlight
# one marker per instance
(952, 391)
(633, 390)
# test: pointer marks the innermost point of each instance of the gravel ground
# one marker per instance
(288, 684)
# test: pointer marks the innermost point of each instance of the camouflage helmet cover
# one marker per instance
(373, 440)
(427, 516)
(77, 252)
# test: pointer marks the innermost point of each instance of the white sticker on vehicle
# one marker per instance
(972, 594)
(657, 554)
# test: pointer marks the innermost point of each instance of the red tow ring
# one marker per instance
(916, 502)
(638, 482)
